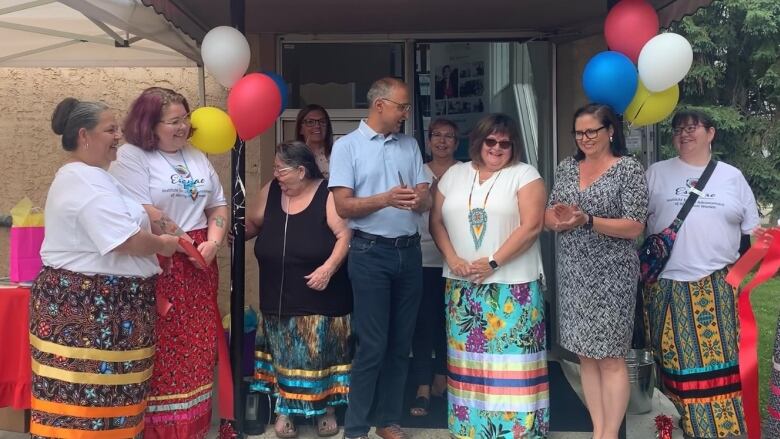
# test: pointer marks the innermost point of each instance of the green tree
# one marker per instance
(735, 78)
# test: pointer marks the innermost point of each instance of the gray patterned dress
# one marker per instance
(598, 274)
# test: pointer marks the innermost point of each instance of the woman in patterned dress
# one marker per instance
(692, 311)
(486, 219)
(182, 194)
(303, 354)
(92, 306)
(313, 127)
(598, 208)
(772, 425)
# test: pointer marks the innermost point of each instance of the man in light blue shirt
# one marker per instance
(379, 185)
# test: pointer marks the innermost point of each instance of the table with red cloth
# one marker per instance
(15, 370)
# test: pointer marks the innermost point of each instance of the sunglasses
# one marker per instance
(503, 144)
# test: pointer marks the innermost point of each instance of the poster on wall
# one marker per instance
(459, 85)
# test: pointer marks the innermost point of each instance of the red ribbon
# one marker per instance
(765, 250)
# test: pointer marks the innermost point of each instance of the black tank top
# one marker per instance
(309, 244)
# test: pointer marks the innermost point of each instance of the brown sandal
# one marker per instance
(327, 425)
(284, 427)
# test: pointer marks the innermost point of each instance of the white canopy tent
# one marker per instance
(91, 33)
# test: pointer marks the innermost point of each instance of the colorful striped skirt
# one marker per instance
(772, 427)
(92, 346)
(497, 362)
(304, 361)
(181, 387)
(694, 334)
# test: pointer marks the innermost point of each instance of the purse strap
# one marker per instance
(696, 190)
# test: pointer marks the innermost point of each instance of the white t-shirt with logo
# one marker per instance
(88, 214)
(181, 184)
(502, 219)
(710, 235)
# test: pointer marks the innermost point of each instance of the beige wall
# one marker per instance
(30, 152)
(571, 59)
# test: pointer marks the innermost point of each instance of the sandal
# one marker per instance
(420, 406)
(327, 425)
(284, 427)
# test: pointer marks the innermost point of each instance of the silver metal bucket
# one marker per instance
(641, 376)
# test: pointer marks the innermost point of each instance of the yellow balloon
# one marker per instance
(648, 108)
(213, 131)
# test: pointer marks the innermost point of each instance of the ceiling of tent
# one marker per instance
(553, 17)
(97, 33)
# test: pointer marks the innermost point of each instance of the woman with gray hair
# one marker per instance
(305, 296)
(92, 311)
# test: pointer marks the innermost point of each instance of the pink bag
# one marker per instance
(25, 254)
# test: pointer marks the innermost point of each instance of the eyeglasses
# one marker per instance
(312, 122)
(446, 136)
(179, 121)
(503, 144)
(589, 134)
(401, 107)
(281, 172)
(689, 129)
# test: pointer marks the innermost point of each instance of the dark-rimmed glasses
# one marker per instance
(689, 129)
(312, 122)
(589, 134)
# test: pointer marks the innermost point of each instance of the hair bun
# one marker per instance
(59, 119)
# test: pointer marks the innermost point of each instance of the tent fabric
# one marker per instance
(94, 33)
(544, 17)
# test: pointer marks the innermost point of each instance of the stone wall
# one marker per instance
(30, 153)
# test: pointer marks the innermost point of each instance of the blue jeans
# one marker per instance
(386, 287)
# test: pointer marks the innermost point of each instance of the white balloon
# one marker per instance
(664, 61)
(225, 52)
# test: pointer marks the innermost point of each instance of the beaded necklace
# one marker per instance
(478, 216)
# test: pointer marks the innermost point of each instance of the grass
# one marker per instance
(766, 307)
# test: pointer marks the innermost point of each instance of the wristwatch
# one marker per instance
(493, 264)
(589, 225)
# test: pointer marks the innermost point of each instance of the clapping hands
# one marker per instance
(567, 217)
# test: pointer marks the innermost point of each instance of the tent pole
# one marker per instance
(201, 85)
(238, 226)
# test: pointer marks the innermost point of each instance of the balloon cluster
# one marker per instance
(639, 75)
(254, 101)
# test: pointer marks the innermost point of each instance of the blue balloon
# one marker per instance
(282, 88)
(610, 78)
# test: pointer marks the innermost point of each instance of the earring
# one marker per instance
(610, 138)
(86, 146)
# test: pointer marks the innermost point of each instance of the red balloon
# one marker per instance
(253, 104)
(629, 25)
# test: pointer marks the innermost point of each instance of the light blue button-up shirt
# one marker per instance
(369, 163)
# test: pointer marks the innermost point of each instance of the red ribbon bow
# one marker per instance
(766, 250)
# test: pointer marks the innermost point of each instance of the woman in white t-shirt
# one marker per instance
(486, 219)
(691, 309)
(182, 193)
(92, 306)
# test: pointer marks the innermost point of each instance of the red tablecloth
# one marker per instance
(15, 371)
